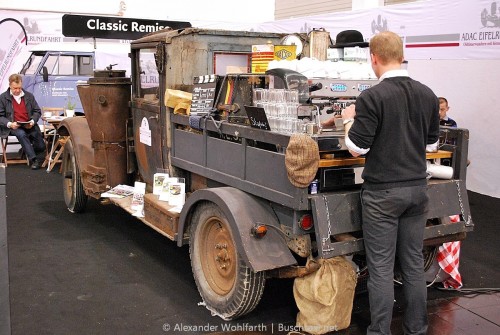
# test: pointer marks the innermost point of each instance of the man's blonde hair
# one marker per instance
(388, 46)
(15, 78)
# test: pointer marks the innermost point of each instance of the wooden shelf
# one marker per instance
(342, 161)
(156, 214)
(439, 154)
(348, 161)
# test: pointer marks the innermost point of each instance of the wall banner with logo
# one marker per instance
(434, 29)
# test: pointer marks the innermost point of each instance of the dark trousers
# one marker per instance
(31, 141)
(394, 222)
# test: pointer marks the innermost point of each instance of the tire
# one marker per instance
(74, 195)
(228, 287)
(429, 254)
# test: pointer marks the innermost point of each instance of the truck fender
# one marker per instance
(78, 130)
(243, 211)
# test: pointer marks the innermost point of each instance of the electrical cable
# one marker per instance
(472, 291)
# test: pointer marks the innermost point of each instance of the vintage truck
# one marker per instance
(243, 219)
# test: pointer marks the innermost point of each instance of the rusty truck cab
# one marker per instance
(164, 61)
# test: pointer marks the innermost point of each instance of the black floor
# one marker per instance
(104, 272)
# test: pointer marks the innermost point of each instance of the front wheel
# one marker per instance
(74, 195)
(229, 288)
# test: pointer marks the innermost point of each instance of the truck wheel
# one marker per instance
(74, 195)
(228, 287)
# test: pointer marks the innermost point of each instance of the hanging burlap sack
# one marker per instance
(301, 160)
(325, 297)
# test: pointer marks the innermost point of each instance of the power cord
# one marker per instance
(472, 290)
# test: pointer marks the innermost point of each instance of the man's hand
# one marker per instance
(349, 112)
(329, 122)
(29, 125)
(14, 125)
(348, 115)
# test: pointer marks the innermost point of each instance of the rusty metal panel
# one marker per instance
(268, 169)
(105, 101)
(262, 171)
(192, 52)
(112, 156)
(337, 213)
(448, 197)
(78, 130)
(94, 180)
(147, 144)
(188, 53)
(106, 109)
(444, 230)
(226, 157)
(189, 146)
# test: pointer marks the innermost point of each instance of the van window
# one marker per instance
(32, 64)
(60, 65)
(85, 65)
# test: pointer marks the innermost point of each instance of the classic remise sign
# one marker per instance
(114, 27)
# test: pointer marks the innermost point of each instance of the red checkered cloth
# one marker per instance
(448, 259)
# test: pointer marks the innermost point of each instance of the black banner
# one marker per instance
(114, 27)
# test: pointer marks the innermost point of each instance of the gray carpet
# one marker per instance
(104, 272)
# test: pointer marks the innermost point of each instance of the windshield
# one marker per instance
(32, 64)
(60, 64)
(148, 73)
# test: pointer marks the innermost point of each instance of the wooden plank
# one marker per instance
(162, 228)
(439, 154)
(361, 160)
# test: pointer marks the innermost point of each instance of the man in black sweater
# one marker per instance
(393, 123)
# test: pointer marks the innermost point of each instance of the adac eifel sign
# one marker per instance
(113, 27)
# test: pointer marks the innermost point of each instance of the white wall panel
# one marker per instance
(285, 9)
(296, 8)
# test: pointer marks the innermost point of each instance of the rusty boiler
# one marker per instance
(105, 100)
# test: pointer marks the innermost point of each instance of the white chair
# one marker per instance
(54, 143)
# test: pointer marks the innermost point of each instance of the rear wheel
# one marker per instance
(74, 195)
(227, 285)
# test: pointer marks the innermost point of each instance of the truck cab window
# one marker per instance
(231, 63)
(148, 73)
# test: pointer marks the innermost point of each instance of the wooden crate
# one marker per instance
(157, 214)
